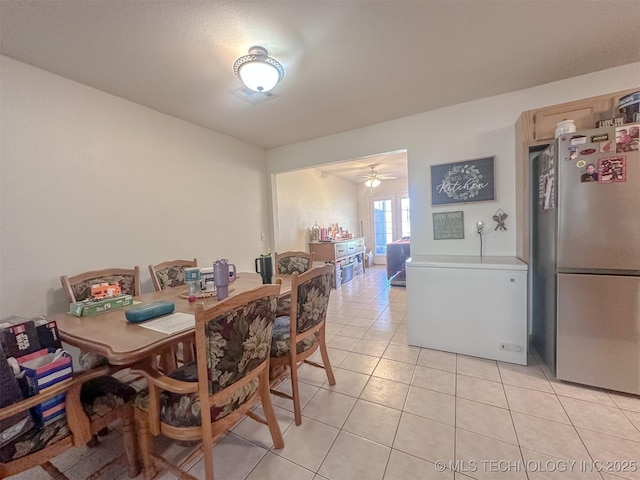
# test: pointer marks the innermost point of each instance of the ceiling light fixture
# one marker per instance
(372, 182)
(258, 71)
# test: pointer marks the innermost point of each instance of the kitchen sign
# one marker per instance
(462, 182)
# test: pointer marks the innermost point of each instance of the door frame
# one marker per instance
(396, 219)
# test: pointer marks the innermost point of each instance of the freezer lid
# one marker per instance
(466, 261)
(599, 212)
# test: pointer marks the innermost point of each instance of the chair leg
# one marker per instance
(295, 393)
(325, 357)
(207, 450)
(269, 413)
(129, 438)
(144, 443)
(188, 352)
(168, 360)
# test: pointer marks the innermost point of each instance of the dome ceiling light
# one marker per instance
(258, 71)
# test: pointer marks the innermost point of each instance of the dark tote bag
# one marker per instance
(10, 393)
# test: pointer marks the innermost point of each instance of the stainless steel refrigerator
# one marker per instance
(585, 257)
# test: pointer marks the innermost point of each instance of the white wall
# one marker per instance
(308, 196)
(91, 181)
(475, 129)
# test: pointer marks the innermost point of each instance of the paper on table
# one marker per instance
(173, 323)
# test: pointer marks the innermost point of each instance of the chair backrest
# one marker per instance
(233, 341)
(78, 287)
(170, 274)
(234, 336)
(310, 298)
(288, 263)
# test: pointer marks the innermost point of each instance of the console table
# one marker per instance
(346, 255)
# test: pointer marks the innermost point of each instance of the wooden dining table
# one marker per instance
(123, 343)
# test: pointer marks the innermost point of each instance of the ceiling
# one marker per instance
(348, 64)
(390, 164)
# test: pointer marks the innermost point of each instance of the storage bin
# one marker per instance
(347, 273)
(44, 369)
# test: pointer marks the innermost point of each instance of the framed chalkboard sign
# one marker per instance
(448, 225)
(463, 182)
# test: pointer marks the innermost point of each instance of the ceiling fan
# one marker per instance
(374, 178)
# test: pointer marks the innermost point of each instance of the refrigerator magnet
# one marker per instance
(573, 153)
(578, 140)
(607, 147)
(603, 137)
(580, 163)
(590, 174)
(587, 151)
(612, 169)
(627, 138)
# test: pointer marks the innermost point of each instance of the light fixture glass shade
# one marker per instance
(258, 71)
(372, 183)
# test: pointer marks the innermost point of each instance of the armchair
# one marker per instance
(88, 410)
(170, 274)
(78, 287)
(204, 399)
(299, 334)
(288, 263)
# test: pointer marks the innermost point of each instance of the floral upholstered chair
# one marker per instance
(288, 263)
(204, 399)
(92, 401)
(299, 334)
(78, 288)
(170, 274)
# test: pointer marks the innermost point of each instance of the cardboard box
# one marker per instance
(19, 339)
(20, 336)
(43, 369)
(86, 308)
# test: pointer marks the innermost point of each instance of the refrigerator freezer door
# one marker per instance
(599, 331)
(598, 223)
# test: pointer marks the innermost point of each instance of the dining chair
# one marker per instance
(87, 410)
(299, 334)
(78, 287)
(288, 263)
(204, 399)
(170, 274)
(291, 262)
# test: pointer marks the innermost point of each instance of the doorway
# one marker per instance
(389, 222)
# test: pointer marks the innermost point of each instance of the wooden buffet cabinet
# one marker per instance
(537, 128)
(345, 255)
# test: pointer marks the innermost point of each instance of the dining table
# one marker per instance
(124, 343)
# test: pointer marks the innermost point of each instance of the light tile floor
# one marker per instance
(399, 412)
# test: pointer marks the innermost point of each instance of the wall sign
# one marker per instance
(448, 225)
(461, 182)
